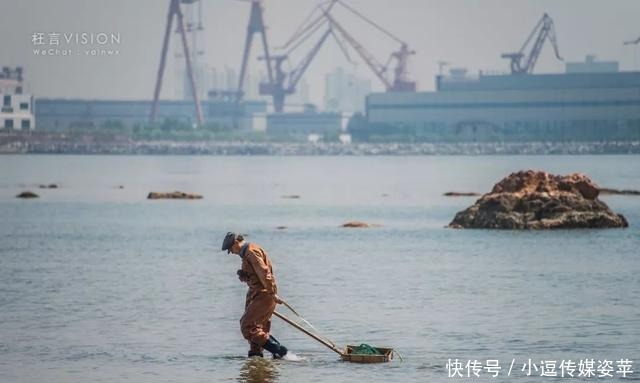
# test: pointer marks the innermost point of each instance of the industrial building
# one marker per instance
(308, 125)
(584, 105)
(591, 65)
(592, 101)
(281, 80)
(58, 114)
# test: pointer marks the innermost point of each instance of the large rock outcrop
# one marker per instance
(539, 200)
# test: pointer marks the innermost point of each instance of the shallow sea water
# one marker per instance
(99, 284)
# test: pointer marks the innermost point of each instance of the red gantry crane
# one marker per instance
(521, 64)
(282, 83)
(401, 80)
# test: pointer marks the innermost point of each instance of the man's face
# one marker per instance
(235, 248)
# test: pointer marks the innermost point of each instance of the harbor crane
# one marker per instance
(284, 83)
(175, 11)
(256, 25)
(401, 80)
(281, 83)
(521, 64)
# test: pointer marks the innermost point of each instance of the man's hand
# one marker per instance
(242, 276)
(277, 299)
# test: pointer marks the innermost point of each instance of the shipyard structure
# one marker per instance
(60, 114)
(590, 102)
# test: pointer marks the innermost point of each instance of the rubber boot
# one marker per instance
(255, 350)
(274, 347)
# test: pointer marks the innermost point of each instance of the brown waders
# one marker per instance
(255, 323)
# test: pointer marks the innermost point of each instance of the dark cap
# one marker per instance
(229, 239)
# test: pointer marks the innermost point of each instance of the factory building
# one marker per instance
(58, 114)
(587, 104)
(17, 106)
(307, 126)
(591, 65)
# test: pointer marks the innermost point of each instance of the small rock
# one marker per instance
(281, 227)
(173, 195)
(359, 224)
(619, 192)
(27, 194)
(461, 194)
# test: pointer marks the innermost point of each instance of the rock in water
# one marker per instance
(173, 195)
(619, 192)
(461, 194)
(539, 200)
(359, 224)
(27, 194)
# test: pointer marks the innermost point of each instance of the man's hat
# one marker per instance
(229, 239)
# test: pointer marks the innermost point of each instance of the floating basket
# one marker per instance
(354, 354)
(351, 354)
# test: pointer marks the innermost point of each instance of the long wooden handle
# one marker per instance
(314, 336)
(304, 320)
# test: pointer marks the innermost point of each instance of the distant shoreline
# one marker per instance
(25, 145)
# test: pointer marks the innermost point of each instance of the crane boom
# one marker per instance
(370, 22)
(302, 39)
(377, 68)
(401, 79)
(307, 25)
(341, 46)
(285, 83)
(632, 42)
(296, 73)
(544, 29)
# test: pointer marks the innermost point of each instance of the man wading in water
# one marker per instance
(262, 296)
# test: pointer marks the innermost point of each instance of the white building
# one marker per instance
(17, 107)
(345, 92)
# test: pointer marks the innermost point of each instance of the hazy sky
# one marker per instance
(466, 33)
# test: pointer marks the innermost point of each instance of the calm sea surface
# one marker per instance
(98, 284)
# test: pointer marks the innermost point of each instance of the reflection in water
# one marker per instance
(258, 370)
